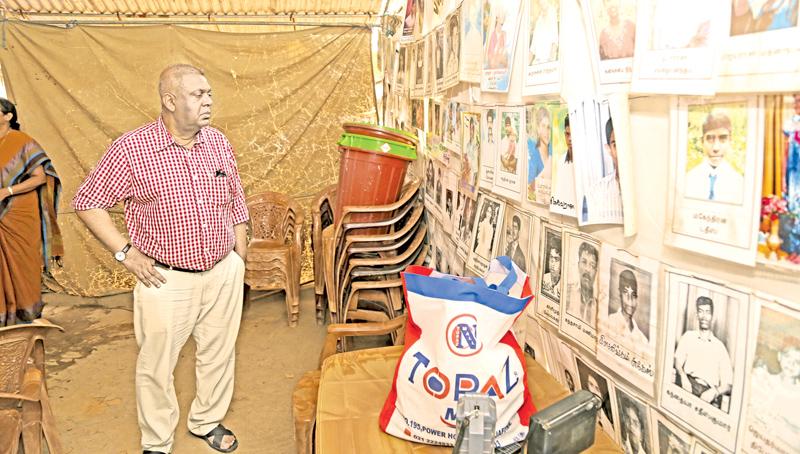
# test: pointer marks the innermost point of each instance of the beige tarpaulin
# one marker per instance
(280, 98)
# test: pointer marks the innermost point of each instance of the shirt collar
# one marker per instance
(165, 139)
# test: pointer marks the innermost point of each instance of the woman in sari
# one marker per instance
(29, 235)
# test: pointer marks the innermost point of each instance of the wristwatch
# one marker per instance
(120, 255)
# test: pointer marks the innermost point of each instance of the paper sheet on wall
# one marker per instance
(715, 172)
(613, 28)
(542, 49)
(471, 40)
(511, 159)
(619, 106)
(548, 295)
(761, 48)
(490, 137)
(627, 317)
(676, 42)
(580, 289)
(703, 369)
(486, 232)
(499, 44)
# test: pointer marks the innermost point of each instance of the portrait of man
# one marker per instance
(439, 183)
(702, 362)
(634, 429)
(400, 81)
(543, 44)
(669, 442)
(448, 203)
(623, 322)
(419, 63)
(564, 187)
(508, 142)
(604, 198)
(593, 382)
(470, 150)
(714, 178)
(513, 247)
(581, 294)
(754, 16)
(429, 177)
(453, 45)
(618, 35)
(551, 279)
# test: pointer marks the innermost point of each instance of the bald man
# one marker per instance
(186, 219)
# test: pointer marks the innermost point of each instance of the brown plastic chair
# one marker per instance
(24, 403)
(304, 397)
(275, 251)
(321, 218)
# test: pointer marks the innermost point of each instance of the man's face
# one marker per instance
(634, 428)
(716, 143)
(612, 149)
(568, 137)
(629, 301)
(513, 231)
(587, 265)
(193, 101)
(704, 316)
(789, 360)
(594, 388)
(554, 262)
(543, 130)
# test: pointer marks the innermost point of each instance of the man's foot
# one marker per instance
(220, 439)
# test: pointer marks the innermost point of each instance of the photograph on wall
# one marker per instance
(509, 171)
(516, 237)
(465, 219)
(562, 181)
(400, 86)
(539, 132)
(596, 383)
(435, 118)
(410, 21)
(487, 233)
(566, 363)
(430, 183)
(550, 340)
(449, 199)
(534, 344)
(761, 48)
(716, 169)
(627, 316)
(542, 66)
(580, 289)
(452, 45)
(779, 232)
(489, 144)
(499, 40)
(634, 424)
(420, 66)
(470, 151)
(430, 62)
(456, 261)
(676, 41)
(452, 133)
(597, 182)
(439, 58)
(772, 423)
(702, 379)
(472, 25)
(417, 114)
(548, 304)
(614, 25)
(668, 438)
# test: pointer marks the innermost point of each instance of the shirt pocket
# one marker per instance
(220, 192)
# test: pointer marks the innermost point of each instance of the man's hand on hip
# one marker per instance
(142, 267)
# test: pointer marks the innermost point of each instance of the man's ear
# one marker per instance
(168, 101)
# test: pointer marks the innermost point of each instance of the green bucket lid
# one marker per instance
(376, 145)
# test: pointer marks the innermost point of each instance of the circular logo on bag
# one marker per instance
(462, 335)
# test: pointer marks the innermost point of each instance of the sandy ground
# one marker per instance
(90, 373)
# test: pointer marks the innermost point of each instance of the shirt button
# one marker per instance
(205, 225)
(194, 177)
(199, 201)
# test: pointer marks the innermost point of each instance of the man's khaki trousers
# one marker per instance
(206, 305)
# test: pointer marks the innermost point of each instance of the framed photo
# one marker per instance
(516, 239)
(580, 290)
(634, 423)
(562, 181)
(490, 134)
(510, 162)
(704, 362)
(716, 168)
(593, 381)
(470, 151)
(486, 233)
(668, 437)
(548, 303)
(472, 32)
(539, 132)
(614, 26)
(452, 43)
(499, 40)
(542, 56)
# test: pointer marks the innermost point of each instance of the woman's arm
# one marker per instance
(36, 179)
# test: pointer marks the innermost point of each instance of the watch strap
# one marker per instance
(126, 248)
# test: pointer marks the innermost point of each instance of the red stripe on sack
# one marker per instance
(412, 335)
(528, 408)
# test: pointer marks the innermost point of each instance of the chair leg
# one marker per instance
(246, 294)
(320, 306)
(49, 424)
(32, 426)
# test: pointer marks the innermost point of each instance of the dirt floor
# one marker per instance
(91, 371)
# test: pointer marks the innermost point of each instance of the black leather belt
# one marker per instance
(175, 268)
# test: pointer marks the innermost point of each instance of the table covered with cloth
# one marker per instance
(353, 387)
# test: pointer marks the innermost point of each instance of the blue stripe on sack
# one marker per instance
(454, 290)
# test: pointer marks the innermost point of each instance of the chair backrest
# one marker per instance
(17, 344)
(274, 216)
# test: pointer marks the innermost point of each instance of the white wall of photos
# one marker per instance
(763, 302)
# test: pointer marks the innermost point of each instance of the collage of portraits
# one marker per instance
(635, 159)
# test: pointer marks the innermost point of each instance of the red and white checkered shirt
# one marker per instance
(180, 205)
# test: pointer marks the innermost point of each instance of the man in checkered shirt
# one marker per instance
(186, 218)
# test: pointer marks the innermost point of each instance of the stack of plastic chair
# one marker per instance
(363, 258)
(321, 218)
(275, 250)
